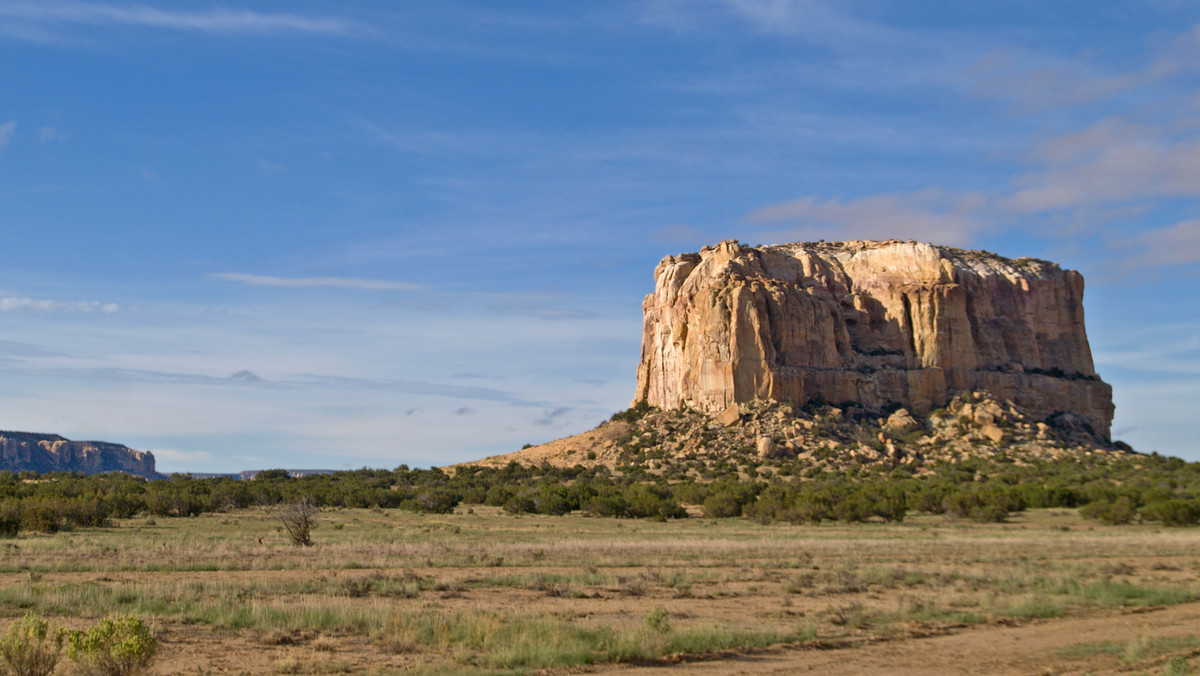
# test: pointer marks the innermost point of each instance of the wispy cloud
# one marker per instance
(269, 167)
(1082, 180)
(315, 282)
(214, 22)
(929, 215)
(6, 133)
(295, 382)
(1113, 160)
(48, 134)
(1034, 83)
(13, 304)
(1177, 244)
(818, 21)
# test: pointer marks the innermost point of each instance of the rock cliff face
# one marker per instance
(21, 451)
(876, 323)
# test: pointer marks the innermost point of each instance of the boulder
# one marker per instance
(730, 416)
(899, 423)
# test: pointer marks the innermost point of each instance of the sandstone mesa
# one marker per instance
(874, 323)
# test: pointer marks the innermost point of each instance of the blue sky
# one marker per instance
(357, 234)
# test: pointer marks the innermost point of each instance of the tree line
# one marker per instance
(1113, 489)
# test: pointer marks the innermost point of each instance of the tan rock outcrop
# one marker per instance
(874, 323)
(20, 451)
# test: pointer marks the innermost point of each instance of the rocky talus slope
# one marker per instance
(875, 323)
(20, 451)
(769, 434)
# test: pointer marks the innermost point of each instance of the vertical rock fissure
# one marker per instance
(911, 333)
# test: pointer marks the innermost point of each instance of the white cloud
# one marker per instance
(1178, 244)
(310, 282)
(1109, 162)
(12, 303)
(822, 22)
(1098, 175)
(929, 215)
(47, 134)
(214, 21)
(6, 132)
(1036, 82)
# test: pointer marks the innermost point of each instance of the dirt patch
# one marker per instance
(1106, 644)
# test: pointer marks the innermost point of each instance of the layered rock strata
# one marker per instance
(874, 323)
(21, 451)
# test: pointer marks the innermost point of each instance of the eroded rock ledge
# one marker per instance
(879, 324)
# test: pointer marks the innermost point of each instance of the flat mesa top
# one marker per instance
(980, 261)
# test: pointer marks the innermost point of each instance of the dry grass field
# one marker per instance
(481, 591)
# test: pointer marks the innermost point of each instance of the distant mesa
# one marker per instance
(252, 474)
(24, 451)
(830, 348)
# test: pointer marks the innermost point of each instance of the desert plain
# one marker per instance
(481, 591)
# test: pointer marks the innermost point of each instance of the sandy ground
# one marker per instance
(1035, 648)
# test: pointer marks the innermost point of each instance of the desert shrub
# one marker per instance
(658, 620)
(1175, 512)
(42, 515)
(520, 504)
(555, 500)
(691, 492)
(436, 501)
(634, 501)
(724, 502)
(633, 413)
(120, 645)
(774, 503)
(608, 501)
(814, 506)
(722, 505)
(653, 501)
(888, 501)
(1118, 511)
(30, 647)
(989, 504)
(298, 519)
(854, 505)
(10, 519)
(498, 494)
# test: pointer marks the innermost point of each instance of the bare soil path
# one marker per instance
(1060, 646)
